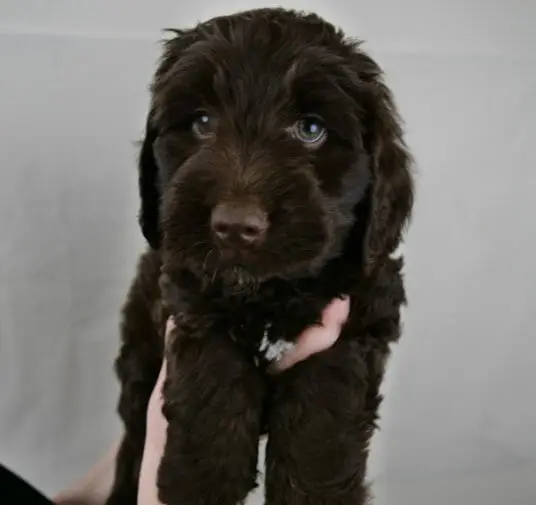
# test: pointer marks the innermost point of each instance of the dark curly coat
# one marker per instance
(273, 177)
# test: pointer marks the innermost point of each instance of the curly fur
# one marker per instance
(336, 215)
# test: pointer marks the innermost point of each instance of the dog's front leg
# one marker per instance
(213, 398)
(320, 423)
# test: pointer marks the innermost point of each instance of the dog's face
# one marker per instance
(270, 138)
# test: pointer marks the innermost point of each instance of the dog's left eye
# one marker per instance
(204, 125)
(310, 130)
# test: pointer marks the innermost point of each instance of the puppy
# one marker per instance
(273, 178)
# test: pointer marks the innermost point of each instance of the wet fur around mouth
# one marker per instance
(336, 214)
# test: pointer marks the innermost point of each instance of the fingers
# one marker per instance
(155, 439)
(317, 338)
(95, 487)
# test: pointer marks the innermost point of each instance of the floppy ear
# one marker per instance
(148, 185)
(148, 171)
(392, 187)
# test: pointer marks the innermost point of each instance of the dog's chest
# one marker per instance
(262, 341)
(265, 327)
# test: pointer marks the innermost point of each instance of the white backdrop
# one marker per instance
(459, 421)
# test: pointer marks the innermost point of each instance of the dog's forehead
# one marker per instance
(255, 61)
(261, 70)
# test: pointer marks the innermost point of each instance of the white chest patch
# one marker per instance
(273, 351)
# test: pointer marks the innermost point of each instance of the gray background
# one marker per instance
(459, 422)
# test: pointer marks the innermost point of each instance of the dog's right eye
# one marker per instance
(204, 125)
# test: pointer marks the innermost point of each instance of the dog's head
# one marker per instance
(272, 146)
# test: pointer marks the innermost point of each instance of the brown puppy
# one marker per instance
(273, 178)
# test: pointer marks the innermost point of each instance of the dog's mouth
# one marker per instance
(241, 273)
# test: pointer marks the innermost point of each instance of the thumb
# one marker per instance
(155, 438)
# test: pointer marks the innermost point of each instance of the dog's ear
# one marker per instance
(148, 170)
(149, 190)
(392, 187)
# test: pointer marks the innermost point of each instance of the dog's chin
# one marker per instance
(245, 280)
(242, 280)
(236, 281)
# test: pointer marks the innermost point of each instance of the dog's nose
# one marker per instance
(239, 224)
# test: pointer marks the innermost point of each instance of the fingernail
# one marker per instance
(170, 324)
(342, 310)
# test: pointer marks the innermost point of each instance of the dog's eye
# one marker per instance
(204, 125)
(310, 130)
